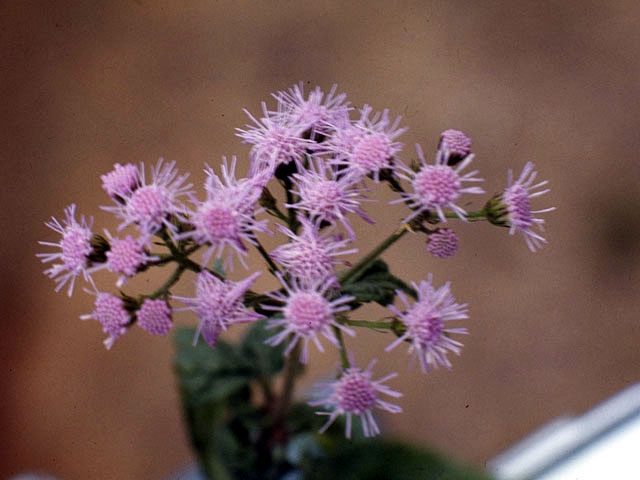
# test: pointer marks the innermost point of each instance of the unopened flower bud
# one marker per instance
(456, 143)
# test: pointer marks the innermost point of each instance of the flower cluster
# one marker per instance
(325, 154)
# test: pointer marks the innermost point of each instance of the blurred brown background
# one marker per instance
(88, 84)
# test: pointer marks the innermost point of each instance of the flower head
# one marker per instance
(329, 196)
(456, 143)
(437, 186)
(318, 111)
(110, 311)
(310, 256)
(218, 304)
(154, 316)
(75, 248)
(368, 146)
(150, 206)
(277, 139)
(306, 313)
(443, 243)
(514, 207)
(226, 217)
(356, 393)
(120, 182)
(425, 324)
(124, 256)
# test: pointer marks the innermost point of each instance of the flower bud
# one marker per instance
(496, 211)
(456, 143)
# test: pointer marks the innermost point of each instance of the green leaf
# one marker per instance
(209, 374)
(266, 360)
(378, 459)
(376, 284)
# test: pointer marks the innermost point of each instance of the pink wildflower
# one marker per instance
(306, 313)
(443, 243)
(125, 256)
(437, 186)
(109, 310)
(150, 206)
(310, 257)
(356, 393)
(226, 217)
(517, 202)
(277, 140)
(456, 143)
(316, 112)
(120, 182)
(328, 196)
(75, 248)
(425, 322)
(154, 316)
(373, 144)
(218, 304)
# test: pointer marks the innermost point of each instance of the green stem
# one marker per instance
(344, 360)
(366, 324)
(171, 281)
(272, 266)
(363, 264)
(292, 368)
(469, 215)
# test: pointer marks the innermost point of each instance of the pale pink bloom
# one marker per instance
(151, 205)
(443, 243)
(316, 112)
(125, 256)
(437, 186)
(517, 201)
(373, 144)
(226, 218)
(154, 316)
(110, 311)
(328, 195)
(310, 256)
(306, 314)
(120, 182)
(277, 140)
(75, 248)
(456, 143)
(356, 393)
(425, 322)
(218, 305)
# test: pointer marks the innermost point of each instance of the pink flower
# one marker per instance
(218, 304)
(443, 243)
(120, 182)
(456, 143)
(517, 202)
(425, 323)
(373, 144)
(306, 313)
(150, 206)
(125, 256)
(329, 196)
(316, 112)
(154, 316)
(277, 139)
(356, 393)
(109, 310)
(437, 186)
(75, 248)
(226, 217)
(310, 257)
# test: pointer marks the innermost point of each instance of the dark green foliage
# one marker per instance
(376, 284)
